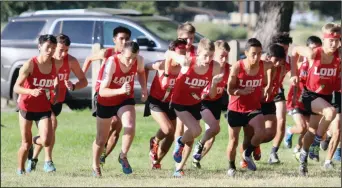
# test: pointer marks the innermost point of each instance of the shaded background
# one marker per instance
(216, 20)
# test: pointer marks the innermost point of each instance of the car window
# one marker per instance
(57, 29)
(108, 31)
(22, 30)
(79, 31)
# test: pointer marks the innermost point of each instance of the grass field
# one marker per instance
(73, 158)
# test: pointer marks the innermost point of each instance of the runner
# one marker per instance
(64, 63)
(195, 75)
(116, 97)
(244, 83)
(158, 105)
(294, 106)
(187, 32)
(37, 77)
(284, 40)
(120, 36)
(211, 107)
(273, 66)
(324, 62)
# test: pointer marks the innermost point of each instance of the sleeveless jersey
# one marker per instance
(322, 77)
(303, 74)
(63, 74)
(109, 52)
(158, 92)
(118, 79)
(220, 86)
(189, 86)
(37, 80)
(250, 102)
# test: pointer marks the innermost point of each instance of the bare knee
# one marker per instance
(329, 113)
(233, 143)
(302, 129)
(101, 141)
(168, 130)
(196, 131)
(216, 129)
(45, 141)
(26, 145)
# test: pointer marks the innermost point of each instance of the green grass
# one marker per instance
(73, 158)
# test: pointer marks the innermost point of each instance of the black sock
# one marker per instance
(249, 150)
(274, 149)
(232, 164)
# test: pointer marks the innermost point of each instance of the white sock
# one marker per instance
(327, 161)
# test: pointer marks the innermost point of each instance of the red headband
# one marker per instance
(180, 47)
(331, 35)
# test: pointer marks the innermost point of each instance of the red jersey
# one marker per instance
(189, 86)
(109, 52)
(303, 74)
(37, 80)
(192, 51)
(63, 74)
(275, 85)
(322, 77)
(158, 92)
(220, 86)
(250, 102)
(118, 79)
(338, 81)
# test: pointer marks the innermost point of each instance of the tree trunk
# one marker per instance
(274, 16)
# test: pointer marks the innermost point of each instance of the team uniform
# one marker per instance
(214, 104)
(108, 107)
(109, 52)
(298, 107)
(321, 80)
(63, 74)
(36, 108)
(243, 108)
(159, 98)
(281, 92)
(190, 85)
(268, 106)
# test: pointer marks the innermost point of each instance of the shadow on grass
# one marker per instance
(3, 125)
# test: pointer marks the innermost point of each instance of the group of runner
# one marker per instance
(188, 86)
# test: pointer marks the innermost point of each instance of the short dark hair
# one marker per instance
(313, 40)
(121, 29)
(252, 42)
(282, 38)
(44, 38)
(175, 43)
(275, 50)
(132, 46)
(63, 39)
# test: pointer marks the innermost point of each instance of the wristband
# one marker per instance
(165, 75)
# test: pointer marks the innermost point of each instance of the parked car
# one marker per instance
(85, 27)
